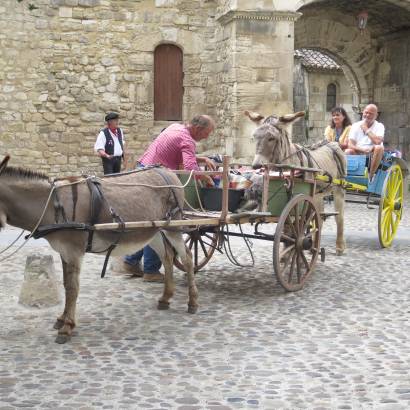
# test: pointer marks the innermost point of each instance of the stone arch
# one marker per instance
(157, 43)
(353, 51)
(348, 72)
(400, 3)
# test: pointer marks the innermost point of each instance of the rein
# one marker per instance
(15, 240)
(28, 237)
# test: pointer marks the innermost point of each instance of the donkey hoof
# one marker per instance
(192, 309)
(61, 339)
(163, 305)
(58, 324)
(339, 252)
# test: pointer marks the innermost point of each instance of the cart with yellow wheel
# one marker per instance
(386, 191)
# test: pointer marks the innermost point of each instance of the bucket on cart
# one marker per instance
(212, 198)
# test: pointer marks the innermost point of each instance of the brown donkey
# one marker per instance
(274, 146)
(24, 196)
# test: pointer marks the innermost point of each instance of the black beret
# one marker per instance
(111, 116)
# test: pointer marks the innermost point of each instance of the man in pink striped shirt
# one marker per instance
(173, 148)
(176, 145)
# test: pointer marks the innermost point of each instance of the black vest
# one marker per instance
(109, 141)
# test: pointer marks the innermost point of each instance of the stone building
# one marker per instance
(64, 63)
(319, 85)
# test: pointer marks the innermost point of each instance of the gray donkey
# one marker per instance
(274, 146)
(25, 194)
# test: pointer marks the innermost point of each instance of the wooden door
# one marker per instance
(168, 83)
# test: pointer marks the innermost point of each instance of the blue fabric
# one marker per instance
(356, 164)
(152, 263)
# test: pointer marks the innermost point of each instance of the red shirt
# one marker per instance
(172, 148)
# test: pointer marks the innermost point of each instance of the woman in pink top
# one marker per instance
(173, 148)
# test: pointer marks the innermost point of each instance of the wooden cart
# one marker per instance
(287, 201)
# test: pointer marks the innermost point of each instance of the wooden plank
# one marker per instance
(265, 191)
(225, 187)
(342, 182)
(230, 219)
(233, 220)
(294, 167)
(200, 214)
(158, 224)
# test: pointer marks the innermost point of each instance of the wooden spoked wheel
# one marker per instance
(390, 206)
(202, 244)
(297, 242)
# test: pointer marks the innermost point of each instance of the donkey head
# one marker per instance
(272, 137)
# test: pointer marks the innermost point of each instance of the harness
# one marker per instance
(178, 208)
(300, 150)
(311, 161)
(97, 201)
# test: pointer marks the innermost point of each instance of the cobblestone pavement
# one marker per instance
(341, 343)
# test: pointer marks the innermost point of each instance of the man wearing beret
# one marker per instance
(110, 144)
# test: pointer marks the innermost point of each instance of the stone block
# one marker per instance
(20, 96)
(66, 12)
(166, 3)
(89, 3)
(49, 116)
(39, 287)
(91, 116)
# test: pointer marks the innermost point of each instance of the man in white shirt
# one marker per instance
(110, 144)
(366, 137)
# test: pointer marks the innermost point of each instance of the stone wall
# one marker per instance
(255, 61)
(300, 132)
(68, 62)
(392, 90)
(319, 116)
(65, 64)
(310, 89)
(376, 64)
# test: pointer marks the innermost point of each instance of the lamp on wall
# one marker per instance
(362, 20)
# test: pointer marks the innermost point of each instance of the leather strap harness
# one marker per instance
(97, 200)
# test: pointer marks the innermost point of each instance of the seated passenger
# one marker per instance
(339, 127)
(366, 137)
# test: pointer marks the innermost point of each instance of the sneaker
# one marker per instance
(154, 277)
(372, 179)
(135, 270)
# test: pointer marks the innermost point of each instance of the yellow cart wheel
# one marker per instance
(390, 206)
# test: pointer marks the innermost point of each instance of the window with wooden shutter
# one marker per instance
(168, 83)
(331, 97)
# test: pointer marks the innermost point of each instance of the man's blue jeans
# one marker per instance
(152, 263)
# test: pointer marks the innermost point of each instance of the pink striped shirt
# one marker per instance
(172, 148)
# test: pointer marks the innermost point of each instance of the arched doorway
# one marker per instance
(375, 58)
(168, 83)
(320, 84)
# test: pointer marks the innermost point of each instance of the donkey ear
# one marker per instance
(3, 163)
(254, 116)
(290, 118)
